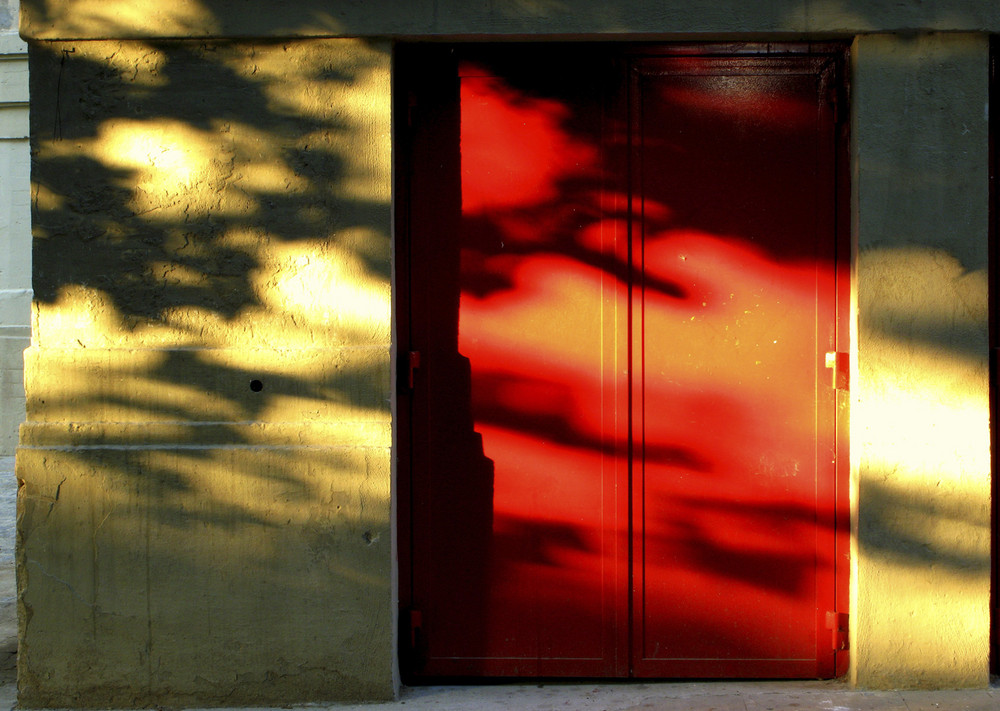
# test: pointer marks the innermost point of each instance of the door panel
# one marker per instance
(729, 169)
(520, 530)
(620, 274)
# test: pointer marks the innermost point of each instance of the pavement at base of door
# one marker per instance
(687, 696)
(557, 696)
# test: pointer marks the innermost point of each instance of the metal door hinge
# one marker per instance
(416, 627)
(412, 363)
(411, 107)
(413, 645)
(840, 363)
(837, 98)
(836, 622)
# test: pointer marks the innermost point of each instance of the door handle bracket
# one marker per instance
(840, 363)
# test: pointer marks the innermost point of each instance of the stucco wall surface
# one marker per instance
(69, 19)
(206, 517)
(205, 509)
(920, 417)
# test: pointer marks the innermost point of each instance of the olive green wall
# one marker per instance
(206, 216)
(212, 214)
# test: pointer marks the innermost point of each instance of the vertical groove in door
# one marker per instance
(634, 256)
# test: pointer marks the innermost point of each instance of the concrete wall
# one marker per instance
(15, 230)
(920, 435)
(205, 509)
(213, 214)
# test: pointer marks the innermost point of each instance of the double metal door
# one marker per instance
(621, 289)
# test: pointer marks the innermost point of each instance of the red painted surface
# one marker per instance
(622, 281)
(732, 539)
(994, 291)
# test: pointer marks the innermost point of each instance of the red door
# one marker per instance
(620, 280)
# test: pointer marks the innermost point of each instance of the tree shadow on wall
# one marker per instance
(106, 215)
(209, 401)
(209, 213)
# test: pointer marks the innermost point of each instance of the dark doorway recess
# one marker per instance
(622, 289)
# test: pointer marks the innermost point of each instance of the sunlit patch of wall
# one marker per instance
(922, 427)
(176, 19)
(206, 462)
(920, 416)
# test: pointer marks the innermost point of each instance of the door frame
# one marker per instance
(410, 60)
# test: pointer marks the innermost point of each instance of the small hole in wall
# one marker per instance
(256, 385)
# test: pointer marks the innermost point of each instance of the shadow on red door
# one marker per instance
(621, 274)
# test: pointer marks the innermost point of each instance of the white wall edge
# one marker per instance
(11, 43)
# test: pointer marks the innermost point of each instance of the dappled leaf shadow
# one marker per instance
(200, 432)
